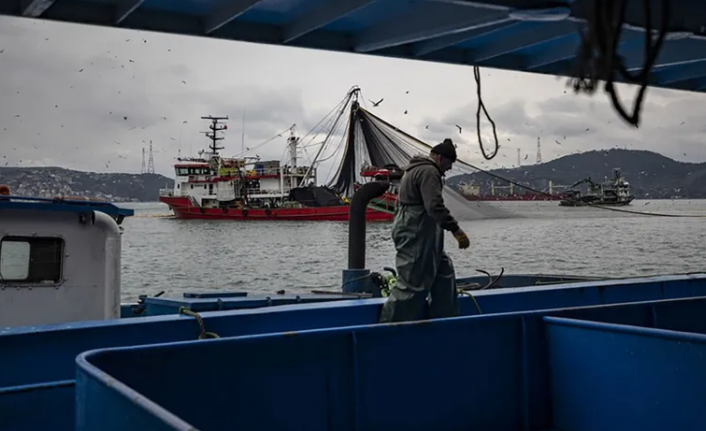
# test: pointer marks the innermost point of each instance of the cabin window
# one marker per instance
(183, 172)
(31, 259)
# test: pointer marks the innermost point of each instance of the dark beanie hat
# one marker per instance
(446, 149)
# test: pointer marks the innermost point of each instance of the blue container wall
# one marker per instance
(494, 373)
(39, 358)
(624, 378)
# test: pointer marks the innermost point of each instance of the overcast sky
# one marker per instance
(66, 89)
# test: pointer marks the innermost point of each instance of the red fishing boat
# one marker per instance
(214, 187)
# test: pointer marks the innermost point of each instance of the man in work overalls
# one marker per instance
(423, 269)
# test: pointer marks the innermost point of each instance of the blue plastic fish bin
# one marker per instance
(38, 369)
(492, 373)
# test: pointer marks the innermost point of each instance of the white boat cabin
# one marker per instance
(210, 180)
(59, 260)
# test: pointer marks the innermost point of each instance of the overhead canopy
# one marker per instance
(520, 35)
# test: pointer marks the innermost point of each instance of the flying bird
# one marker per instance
(376, 103)
(459, 128)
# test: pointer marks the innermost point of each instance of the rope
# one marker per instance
(264, 142)
(481, 106)
(648, 214)
(473, 298)
(598, 57)
(202, 328)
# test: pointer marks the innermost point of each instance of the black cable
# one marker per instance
(598, 58)
(481, 105)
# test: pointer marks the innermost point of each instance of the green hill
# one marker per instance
(53, 181)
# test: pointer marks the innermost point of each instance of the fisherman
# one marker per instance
(423, 269)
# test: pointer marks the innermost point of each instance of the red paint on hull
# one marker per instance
(183, 209)
(524, 197)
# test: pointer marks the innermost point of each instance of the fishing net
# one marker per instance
(371, 141)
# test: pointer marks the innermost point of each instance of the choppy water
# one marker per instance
(179, 255)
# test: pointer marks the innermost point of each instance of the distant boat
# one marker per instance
(615, 192)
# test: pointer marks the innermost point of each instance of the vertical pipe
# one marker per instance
(356, 223)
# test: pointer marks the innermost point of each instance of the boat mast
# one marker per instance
(213, 134)
(352, 96)
(242, 134)
(292, 142)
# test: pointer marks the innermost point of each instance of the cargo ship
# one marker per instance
(518, 197)
(473, 193)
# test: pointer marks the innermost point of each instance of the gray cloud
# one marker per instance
(73, 85)
(671, 125)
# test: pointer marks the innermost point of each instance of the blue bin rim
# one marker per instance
(148, 405)
(84, 364)
(666, 334)
(82, 360)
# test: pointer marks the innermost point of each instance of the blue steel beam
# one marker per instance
(674, 74)
(325, 14)
(555, 51)
(426, 47)
(699, 84)
(230, 10)
(124, 8)
(428, 20)
(696, 84)
(553, 56)
(35, 8)
(510, 43)
(673, 53)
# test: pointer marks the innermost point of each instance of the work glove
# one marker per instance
(462, 238)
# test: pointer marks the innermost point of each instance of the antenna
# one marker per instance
(539, 150)
(142, 170)
(519, 160)
(213, 134)
(150, 161)
(242, 137)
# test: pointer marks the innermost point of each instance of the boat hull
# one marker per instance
(579, 203)
(524, 197)
(183, 209)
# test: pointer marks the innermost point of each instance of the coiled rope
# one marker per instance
(481, 106)
(203, 334)
(598, 58)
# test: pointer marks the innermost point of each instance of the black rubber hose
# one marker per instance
(356, 223)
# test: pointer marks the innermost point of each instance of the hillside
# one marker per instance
(651, 175)
(52, 181)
